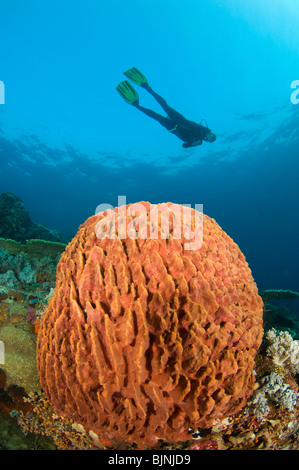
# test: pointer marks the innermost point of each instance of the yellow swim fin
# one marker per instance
(128, 92)
(136, 76)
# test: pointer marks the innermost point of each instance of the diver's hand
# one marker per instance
(192, 144)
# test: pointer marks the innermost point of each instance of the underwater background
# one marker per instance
(69, 143)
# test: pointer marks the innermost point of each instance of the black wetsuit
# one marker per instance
(188, 131)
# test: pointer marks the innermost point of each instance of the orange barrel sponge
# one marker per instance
(149, 336)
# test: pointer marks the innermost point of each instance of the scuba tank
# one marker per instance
(205, 125)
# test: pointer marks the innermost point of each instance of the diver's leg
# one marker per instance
(164, 121)
(179, 118)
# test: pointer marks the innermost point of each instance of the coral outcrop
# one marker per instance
(15, 222)
(36, 261)
(144, 339)
(278, 294)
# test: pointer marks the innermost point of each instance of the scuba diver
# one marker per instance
(190, 132)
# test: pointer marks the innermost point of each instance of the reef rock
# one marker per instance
(143, 338)
(19, 358)
(15, 222)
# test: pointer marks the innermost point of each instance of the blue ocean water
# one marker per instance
(68, 142)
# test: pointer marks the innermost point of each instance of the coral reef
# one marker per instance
(18, 373)
(12, 437)
(278, 294)
(15, 222)
(28, 264)
(41, 420)
(273, 388)
(8, 279)
(14, 403)
(26, 280)
(19, 292)
(282, 319)
(146, 340)
(32, 248)
(28, 275)
(283, 349)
